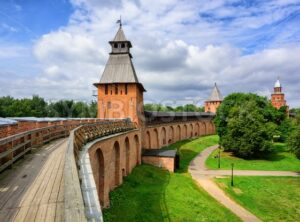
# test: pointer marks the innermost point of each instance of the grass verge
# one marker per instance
(269, 198)
(281, 159)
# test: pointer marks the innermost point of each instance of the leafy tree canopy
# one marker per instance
(246, 124)
(38, 107)
(238, 100)
(162, 108)
(246, 135)
(294, 142)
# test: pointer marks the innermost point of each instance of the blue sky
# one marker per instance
(23, 21)
(57, 49)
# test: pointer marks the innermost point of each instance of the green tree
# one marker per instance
(162, 108)
(20, 108)
(246, 135)
(285, 128)
(179, 109)
(262, 104)
(153, 107)
(294, 142)
(81, 110)
(5, 104)
(190, 108)
(62, 108)
(93, 109)
(38, 106)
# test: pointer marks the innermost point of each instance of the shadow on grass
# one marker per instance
(146, 202)
(177, 145)
(275, 155)
(186, 156)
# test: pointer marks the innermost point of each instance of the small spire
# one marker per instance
(215, 94)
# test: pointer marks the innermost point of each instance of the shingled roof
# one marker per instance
(119, 69)
(120, 36)
(215, 94)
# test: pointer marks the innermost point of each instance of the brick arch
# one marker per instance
(202, 129)
(137, 149)
(99, 175)
(155, 139)
(184, 132)
(197, 129)
(163, 136)
(212, 127)
(178, 133)
(209, 130)
(192, 130)
(127, 157)
(205, 128)
(171, 135)
(148, 140)
(115, 166)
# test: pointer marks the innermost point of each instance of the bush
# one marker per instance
(238, 100)
(285, 129)
(246, 133)
(294, 142)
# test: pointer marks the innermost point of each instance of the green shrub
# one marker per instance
(294, 142)
(247, 135)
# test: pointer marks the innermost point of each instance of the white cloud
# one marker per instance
(178, 53)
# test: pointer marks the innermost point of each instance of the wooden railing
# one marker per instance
(16, 146)
(75, 203)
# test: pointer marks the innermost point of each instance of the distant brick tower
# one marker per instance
(278, 96)
(214, 101)
(120, 94)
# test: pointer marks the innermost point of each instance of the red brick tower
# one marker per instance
(278, 96)
(214, 101)
(120, 94)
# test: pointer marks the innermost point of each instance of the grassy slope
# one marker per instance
(153, 194)
(270, 198)
(279, 160)
(189, 149)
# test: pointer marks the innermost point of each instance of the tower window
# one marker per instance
(123, 45)
(106, 89)
(108, 105)
(115, 45)
(116, 89)
(126, 89)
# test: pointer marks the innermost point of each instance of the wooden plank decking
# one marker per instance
(33, 189)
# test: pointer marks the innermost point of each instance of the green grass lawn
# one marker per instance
(153, 194)
(281, 159)
(189, 149)
(269, 198)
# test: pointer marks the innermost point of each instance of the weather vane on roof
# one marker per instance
(119, 21)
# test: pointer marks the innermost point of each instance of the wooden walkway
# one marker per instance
(33, 189)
